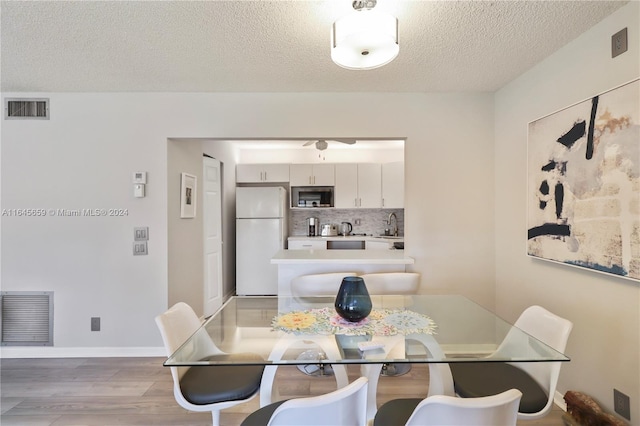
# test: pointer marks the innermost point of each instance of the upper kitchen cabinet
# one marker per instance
(262, 173)
(393, 185)
(358, 186)
(312, 174)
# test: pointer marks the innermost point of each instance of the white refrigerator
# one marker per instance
(261, 231)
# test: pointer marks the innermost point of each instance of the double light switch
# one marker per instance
(140, 238)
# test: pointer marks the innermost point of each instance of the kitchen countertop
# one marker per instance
(348, 237)
(371, 257)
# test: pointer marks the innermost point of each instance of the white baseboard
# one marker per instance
(558, 399)
(87, 352)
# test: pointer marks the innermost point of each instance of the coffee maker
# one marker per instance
(313, 226)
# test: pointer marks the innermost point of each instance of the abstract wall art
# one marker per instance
(583, 184)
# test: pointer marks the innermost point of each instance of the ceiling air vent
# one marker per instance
(26, 108)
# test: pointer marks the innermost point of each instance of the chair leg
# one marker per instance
(215, 417)
(395, 370)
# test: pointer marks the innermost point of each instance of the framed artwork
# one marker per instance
(188, 196)
(583, 186)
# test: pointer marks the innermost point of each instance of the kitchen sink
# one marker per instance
(390, 237)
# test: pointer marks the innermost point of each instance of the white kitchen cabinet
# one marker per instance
(378, 245)
(358, 185)
(393, 185)
(256, 173)
(310, 244)
(312, 174)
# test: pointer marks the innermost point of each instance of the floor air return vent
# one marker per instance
(26, 318)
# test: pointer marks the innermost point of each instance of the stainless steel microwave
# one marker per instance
(312, 196)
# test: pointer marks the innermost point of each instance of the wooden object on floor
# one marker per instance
(586, 412)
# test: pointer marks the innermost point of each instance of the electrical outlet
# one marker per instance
(356, 222)
(95, 323)
(619, 43)
(621, 404)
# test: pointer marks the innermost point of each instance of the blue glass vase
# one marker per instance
(353, 302)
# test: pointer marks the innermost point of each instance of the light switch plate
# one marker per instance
(141, 233)
(140, 248)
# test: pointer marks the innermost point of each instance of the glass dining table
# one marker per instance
(433, 329)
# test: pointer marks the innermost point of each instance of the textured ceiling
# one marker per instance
(275, 46)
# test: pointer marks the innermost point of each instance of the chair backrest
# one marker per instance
(550, 329)
(346, 406)
(176, 325)
(392, 282)
(318, 284)
(545, 326)
(441, 410)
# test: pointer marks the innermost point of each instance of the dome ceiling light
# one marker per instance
(364, 39)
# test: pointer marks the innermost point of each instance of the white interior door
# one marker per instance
(212, 224)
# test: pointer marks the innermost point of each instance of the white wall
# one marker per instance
(604, 345)
(185, 235)
(85, 154)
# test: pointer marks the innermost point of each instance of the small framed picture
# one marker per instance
(188, 196)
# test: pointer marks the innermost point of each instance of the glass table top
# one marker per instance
(402, 329)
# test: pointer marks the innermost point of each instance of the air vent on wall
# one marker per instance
(26, 318)
(26, 108)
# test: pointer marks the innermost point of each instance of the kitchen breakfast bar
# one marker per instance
(295, 263)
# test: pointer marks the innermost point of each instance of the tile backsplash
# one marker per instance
(372, 221)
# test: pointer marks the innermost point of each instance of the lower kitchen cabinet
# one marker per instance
(378, 245)
(307, 244)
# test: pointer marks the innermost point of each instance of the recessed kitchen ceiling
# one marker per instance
(368, 144)
(275, 46)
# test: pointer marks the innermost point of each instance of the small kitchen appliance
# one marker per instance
(329, 230)
(313, 226)
(346, 228)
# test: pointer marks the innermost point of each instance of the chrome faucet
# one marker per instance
(395, 225)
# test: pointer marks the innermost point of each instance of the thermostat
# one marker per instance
(140, 177)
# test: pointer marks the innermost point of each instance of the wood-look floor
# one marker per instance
(138, 391)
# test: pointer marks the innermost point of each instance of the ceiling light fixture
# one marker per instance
(364, 39)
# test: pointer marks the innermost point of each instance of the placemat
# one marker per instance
(381, 322)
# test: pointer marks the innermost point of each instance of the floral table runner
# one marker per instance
(381, 322)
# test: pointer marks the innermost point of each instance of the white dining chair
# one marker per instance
(346, 406)
(390, 283)
(205, 388)
(536, 380)
(384, 283)
(443, 410)
(311, 285)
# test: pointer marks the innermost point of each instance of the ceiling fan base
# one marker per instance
(322, 144)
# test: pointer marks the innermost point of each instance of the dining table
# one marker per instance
(400, 329)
